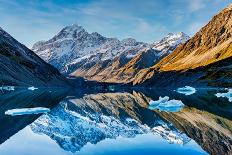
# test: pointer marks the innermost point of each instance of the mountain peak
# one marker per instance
(176, 35)
(170, 34)
(170, 42)
(1, 29)
(129, 41)
(3, 32)
(96, 35)
(72, 31)
(73, 27)
(181, 34)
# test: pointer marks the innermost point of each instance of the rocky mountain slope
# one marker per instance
(201, 57)
(20, 66)
(76, 52)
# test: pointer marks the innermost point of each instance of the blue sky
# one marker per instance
(145, 20)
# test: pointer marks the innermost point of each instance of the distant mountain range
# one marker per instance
(19, 66)
(76, 52)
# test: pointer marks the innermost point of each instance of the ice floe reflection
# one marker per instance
(32, 88)
(164, 104)
(227, 95)
(7, 88)
(187, 90)
(27, 111)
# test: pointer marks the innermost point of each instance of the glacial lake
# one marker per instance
(114, 121)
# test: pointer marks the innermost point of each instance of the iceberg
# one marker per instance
(227, 95)
(8, 88)
(164, 104)
(26, 111)
(32, 88)
(187, 90)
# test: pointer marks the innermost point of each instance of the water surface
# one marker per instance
(115, 122)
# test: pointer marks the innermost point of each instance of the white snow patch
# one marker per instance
(164, 104)
(187, 90)
(26, 111)
(130, 56)
(227, 95)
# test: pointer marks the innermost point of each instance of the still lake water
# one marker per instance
(115, 122)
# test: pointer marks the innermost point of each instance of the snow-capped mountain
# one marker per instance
(95, 117)
(170, 42)
(73, 44)
(123, 69)
(79, 53)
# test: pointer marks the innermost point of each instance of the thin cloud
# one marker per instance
(196, 5)
(148, 21)
(194, 27)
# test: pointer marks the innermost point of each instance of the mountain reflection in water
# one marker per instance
(80, 118)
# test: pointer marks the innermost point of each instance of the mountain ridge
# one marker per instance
(20, 66)
(106, 59)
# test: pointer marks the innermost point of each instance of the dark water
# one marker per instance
(115, 122)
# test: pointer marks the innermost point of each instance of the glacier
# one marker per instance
(164, 104)
(187, 90)
(26, 111)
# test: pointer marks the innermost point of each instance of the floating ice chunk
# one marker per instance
(8, 88)
(32, 88)
(164, 104)
(27, 111)
(187, 90)
(227, 95)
